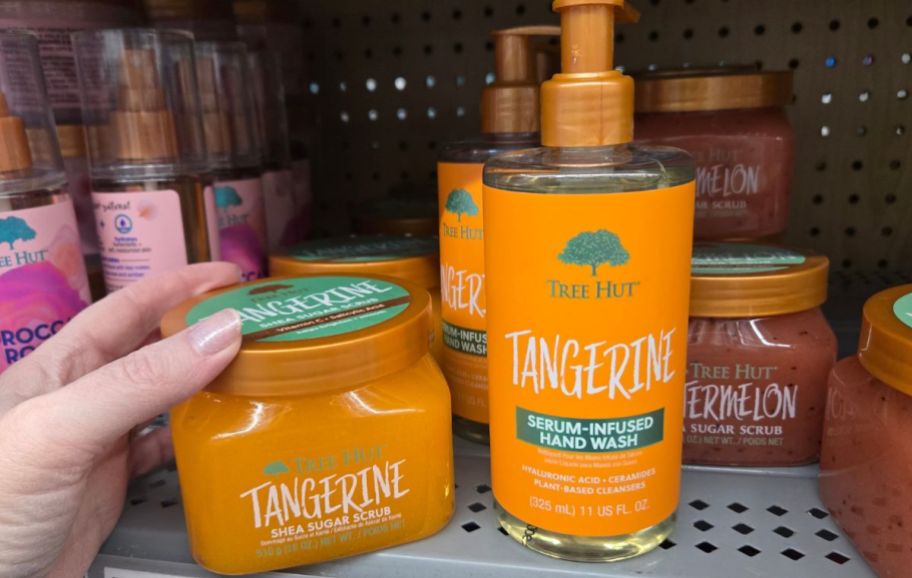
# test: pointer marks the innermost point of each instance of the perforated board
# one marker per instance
(390, 81)
(732, 522)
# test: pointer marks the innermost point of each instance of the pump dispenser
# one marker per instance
(509, 120)
(43, 281)
(146, 151)
(587, 259)
(234, 147)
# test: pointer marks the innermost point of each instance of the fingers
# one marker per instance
(97, 409)
(151, 451)
(108, 329)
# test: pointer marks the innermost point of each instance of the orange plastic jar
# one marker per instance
(866, 460)
(759, 351)
(328, 436)
(415, 259)
(407, 215)
(733, 122)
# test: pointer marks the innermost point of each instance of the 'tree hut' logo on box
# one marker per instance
(593, 249)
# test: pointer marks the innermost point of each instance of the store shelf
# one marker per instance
(733, 522)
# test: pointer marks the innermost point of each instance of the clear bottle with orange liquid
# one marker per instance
(587, 256)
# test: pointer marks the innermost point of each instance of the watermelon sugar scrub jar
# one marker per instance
(866, 459)
(733, 122)
(328, 436)
(759, 351)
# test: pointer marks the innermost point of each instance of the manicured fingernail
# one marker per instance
(216, 332)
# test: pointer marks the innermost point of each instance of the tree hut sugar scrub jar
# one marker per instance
(414, 259)
(733, 122)
(866, 459)
(758, 356)
(329, 434)
(406, 215)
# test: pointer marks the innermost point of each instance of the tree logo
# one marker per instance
(264, 289)
(594, 248)
(227, 197)
(14, 229)
(275, 469)
(460, 202)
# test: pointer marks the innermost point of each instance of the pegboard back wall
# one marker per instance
(389, 82)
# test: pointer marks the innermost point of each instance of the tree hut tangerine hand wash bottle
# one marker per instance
(509, 121)
(587, 254)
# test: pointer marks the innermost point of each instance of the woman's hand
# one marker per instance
(67, 411)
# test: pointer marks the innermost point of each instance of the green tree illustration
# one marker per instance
(594, 248)
(14, 229)
(227, 197)
(460, 202)
(275, 468)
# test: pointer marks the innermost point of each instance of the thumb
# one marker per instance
(104, 405)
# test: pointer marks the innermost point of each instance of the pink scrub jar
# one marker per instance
(866, 459)
(759, 351)
(734, 124)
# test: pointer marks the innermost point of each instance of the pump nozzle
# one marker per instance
(510, 104)
(143, 126)
(15, 154)
(588, 103)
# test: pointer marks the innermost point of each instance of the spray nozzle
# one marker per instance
(588, 103)
(142, 124)
(15, 153)
(510, 103)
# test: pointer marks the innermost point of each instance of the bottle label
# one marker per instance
(589, 298)
(903, 309)
(307, 307)
(364, 249)
(43, 281)
(742, 413)
(741, 259)
(278, 197)
(141, 234)
(462, 288)
(242, 224)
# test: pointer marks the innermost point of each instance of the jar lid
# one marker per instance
(688, 90)
(398, 216)
(885, 346)
(312, 334)
(415, 259)
(746, 280)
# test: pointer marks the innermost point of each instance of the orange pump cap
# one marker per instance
(15, 154)
(510, 104)
(588, 103)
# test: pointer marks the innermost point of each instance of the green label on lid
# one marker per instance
(308, 307)
(903, 309)
(740, 259)
(364, 249)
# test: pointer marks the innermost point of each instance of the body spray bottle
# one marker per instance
(43, 280)
(146, 151)
(234, 155)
